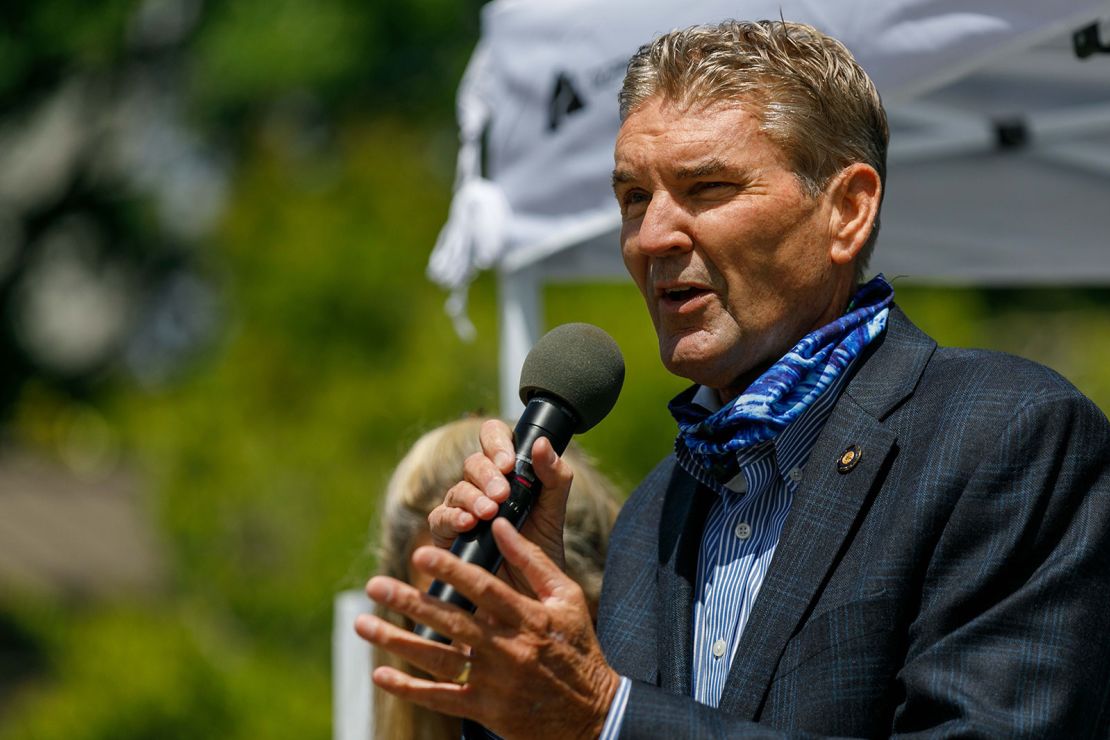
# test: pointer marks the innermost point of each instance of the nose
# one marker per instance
(665, 227)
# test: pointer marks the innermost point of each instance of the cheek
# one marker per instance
(635, 263)
(627, 238)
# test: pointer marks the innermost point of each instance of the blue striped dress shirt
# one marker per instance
(738, 542)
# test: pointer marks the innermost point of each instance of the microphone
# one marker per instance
(569, 382)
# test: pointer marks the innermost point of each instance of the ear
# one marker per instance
(854, 196)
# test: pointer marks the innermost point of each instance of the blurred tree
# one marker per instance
(249, 190)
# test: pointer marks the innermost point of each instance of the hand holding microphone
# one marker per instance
(569, 382)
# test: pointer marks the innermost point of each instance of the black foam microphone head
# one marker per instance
(580, 365)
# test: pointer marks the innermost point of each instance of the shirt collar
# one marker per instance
(707, 398)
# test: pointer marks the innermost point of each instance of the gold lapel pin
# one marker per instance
(849, 459)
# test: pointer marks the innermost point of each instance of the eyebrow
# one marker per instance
(711, 166)
(703, 169)
(620, 177)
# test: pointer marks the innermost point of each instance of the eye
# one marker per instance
(704, 187)
(633, 201)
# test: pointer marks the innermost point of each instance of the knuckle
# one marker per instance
(494, 431)
(463, 496)
(541, 624)
(449, 496)
(475, 462)
(480, 473)
(495, 438)
(459, 624)
(527, 652)
(483, 589)
(455, 494)
(440, 523)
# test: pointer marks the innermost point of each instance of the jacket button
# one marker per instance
(849, 459)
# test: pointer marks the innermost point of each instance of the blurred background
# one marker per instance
(216, 338)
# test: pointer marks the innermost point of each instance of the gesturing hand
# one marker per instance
(532, 663)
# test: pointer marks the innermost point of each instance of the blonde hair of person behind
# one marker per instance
(432, 465)
(812, 97)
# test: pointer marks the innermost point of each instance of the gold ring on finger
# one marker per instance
(463, 676)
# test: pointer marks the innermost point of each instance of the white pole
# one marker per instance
(520, 320)
(352, 690)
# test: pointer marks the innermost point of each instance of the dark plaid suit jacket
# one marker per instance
(956, 582)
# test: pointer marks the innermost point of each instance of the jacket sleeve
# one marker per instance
(1010, 636)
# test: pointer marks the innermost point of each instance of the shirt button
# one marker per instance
(719, 648)
(795, 475)
(743, 530)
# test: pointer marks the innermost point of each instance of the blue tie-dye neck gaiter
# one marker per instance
(711, 441)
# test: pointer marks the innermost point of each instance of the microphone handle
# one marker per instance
(477, 545)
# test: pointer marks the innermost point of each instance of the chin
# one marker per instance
(700, 370)
(715, 370)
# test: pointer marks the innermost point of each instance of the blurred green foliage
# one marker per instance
(339, 56)
(41, 41)
(262, 464)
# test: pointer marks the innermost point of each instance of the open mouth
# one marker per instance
(683, 294)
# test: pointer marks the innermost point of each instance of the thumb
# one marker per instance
(556, 476)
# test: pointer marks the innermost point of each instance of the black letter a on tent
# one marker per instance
(564, 101)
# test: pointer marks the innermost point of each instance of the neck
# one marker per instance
(742, 382)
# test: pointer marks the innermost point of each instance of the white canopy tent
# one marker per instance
(999, 166)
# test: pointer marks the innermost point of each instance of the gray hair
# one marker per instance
(812, 97)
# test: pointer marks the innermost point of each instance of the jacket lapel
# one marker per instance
(825, 508)
(683, 519)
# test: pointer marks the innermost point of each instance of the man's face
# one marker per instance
(730, 253)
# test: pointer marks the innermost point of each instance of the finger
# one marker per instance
(481, 472)
(489, 594)
(446, 523)
(446, 698)
(433, 658)
(446, 619)
(497, 444)
(468, 498)
(539, 571)
(462, 508)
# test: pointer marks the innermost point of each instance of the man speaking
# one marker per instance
(859, 533)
